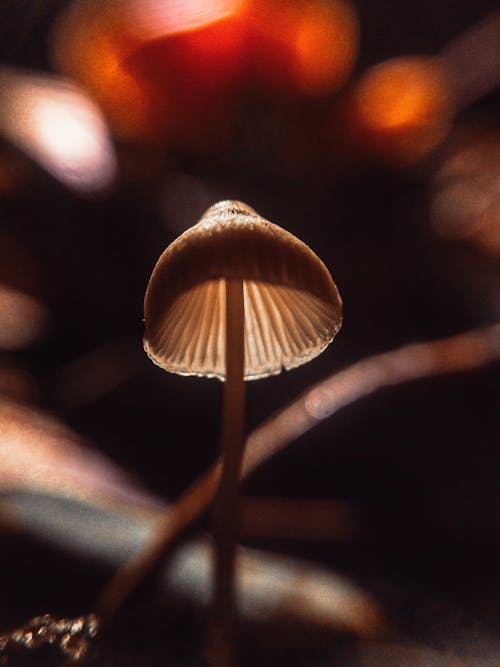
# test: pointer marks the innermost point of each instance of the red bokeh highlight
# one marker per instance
(197, 75)
(177, 70)
(157, 69)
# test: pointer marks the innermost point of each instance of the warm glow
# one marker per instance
(400, 92)
(89, 44)
(174, 70)
(404, 105)
(325, 46)
(191, 67)
(158, 69)
(127, 104)
(302, 47)
(60, 127)
(153, 19)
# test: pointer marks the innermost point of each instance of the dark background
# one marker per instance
(419, 462)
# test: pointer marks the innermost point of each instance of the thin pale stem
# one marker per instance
(226, 517)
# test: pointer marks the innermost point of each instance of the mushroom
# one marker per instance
(237, 298)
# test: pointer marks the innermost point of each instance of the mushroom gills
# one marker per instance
(284, 328)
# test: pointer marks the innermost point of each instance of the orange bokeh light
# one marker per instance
(90, 42)
(402, 108)
(303, 47)
(197, 74)
(325, 47)
(176, 69)
(153, 66)
(192, 46)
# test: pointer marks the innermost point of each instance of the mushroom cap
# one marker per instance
(292, 306)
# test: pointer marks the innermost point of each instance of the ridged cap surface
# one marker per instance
(292, 307)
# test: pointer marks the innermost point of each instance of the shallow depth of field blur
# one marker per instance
(368, 129)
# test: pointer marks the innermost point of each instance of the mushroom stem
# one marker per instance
(227, 501)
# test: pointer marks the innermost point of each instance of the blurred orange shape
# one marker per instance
(303, 47)
(175, 70)
(56, 124)
(191, 71)
(154, 66)
(325, 47)
(128, 105)
(194, 59)
(89, 43)
(402, 108)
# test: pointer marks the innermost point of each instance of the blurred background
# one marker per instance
(369, 130)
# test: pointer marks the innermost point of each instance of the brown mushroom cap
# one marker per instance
(292, 307)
